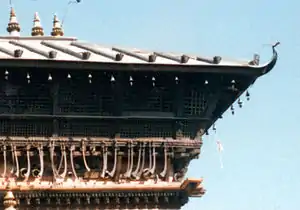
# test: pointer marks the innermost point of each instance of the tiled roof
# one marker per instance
(71, 49)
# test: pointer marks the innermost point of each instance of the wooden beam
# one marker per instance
(125, 117)
(112, 66)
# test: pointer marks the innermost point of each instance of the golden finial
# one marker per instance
(37, 29)
(9, 200)
(13, 26)
(57, 29)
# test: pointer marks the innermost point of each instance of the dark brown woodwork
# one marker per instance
(105, 121)
(54, 90)
(106, 200)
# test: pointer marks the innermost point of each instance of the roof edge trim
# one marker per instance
(267, 67)
(76, 65)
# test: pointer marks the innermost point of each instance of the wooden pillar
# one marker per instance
(119, 166)
(170, 171)
(117, 89)
(178, 95)
(55, 89)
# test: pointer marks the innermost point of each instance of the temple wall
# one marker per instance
(149, 175)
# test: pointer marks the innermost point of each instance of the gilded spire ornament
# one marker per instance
(37, 29)
(57, 29)
(9, 201)
(13, 27)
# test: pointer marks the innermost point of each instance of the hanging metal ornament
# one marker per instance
(153, 81)
(232, 109)
(112, 79)
(28, 78)
(90, 76)
(6, 75)
(214, 128)
(49, 77)
(233, 84)
(248, 95)
(130, 80)
(176, 80)
(240, 103)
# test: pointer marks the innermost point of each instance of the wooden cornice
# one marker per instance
(189, 186)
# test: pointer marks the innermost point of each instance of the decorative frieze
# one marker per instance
(114, 160)
(101, 200)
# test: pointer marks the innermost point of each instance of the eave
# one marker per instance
(105, 66)
(70, 53)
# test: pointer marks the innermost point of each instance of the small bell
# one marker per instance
(69, 76)
(233, 84)
(49, 77)
(232, 110)
(240, 103)
(153, 81)
(90, 78)
(28, 78)
(130, 80)
(6, 75)
(176, 80)
(112, 79)
(206, 82)
(214, 128)
(248, 95)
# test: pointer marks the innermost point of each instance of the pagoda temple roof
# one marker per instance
(65, 52)
(64, 49)
(71, 49)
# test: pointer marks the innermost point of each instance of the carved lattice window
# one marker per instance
(85, 99)
(142, 128)
(85, 128)
(194, 102)
(147, 99)
(33, 98)
(26, 128)
(188, 129)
